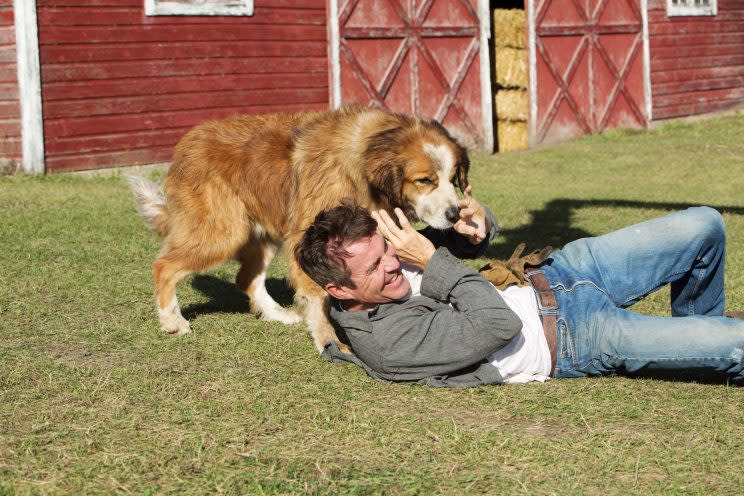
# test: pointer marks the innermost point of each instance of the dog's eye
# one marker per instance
(424, 180)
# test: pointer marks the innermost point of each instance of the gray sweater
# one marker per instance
(440, 338)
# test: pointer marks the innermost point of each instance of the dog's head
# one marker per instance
(416, 165)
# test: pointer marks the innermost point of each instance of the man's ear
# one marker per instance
(338, 292)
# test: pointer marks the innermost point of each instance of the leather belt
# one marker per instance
(547, 300)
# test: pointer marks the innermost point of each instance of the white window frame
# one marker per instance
(692, 10)
(202, 8)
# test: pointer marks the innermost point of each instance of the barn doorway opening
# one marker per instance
(509, 75)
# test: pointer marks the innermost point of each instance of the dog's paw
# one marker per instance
(175, 324)
(281, 315)
(343, 348)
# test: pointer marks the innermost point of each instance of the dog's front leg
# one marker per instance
(316, 316)
(314, 304)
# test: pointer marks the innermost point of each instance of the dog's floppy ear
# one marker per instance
(387, 185)
(463, 166)
(383, 167)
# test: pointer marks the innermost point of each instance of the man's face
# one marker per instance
(375, 270)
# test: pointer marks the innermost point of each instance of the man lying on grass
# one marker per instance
(412, 312)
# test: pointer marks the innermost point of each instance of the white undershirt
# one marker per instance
(526, 357)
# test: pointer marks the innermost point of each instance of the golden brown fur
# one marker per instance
(243, 187)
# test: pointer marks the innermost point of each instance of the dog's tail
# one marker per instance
(150, 203)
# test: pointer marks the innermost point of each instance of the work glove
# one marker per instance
(504, 273)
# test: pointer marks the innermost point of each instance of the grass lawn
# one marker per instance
(94, 399)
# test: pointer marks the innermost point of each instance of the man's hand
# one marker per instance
(473, 223)
(411, 246)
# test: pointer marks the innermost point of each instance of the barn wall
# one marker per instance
(120, 88)
(697, 63)
(10, 111)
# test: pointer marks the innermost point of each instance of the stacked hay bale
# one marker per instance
(512, 105)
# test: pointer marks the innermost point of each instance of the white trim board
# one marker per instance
(199, 8)
(334, 50)
(29, 86)
(646, 63)
(532, 66)
(485, 74)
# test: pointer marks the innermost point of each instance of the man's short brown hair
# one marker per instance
(321, 251)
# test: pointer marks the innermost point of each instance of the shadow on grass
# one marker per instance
(553, 224)
(225, 297)
(698, 376)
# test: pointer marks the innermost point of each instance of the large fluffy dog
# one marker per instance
(244, 186)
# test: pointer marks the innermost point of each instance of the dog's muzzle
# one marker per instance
(452, 214)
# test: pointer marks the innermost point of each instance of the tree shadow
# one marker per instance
(225, 297)
(553, 224)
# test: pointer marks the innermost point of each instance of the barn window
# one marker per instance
(691, 7)
(199, 7)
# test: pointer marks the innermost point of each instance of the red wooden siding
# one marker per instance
(697, 63)
(120, 88)
(10, 110)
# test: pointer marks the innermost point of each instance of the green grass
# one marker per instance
(93, 399)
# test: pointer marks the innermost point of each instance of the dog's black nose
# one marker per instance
(452, 214)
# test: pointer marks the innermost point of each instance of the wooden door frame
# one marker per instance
(532, 56)
(334, 63)
(29, 86)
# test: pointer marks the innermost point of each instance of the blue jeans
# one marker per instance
(595, 280)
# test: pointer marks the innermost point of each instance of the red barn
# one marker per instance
(90, 84)
(122, 80)
(697, 56)
(596, 64)
(10, 110)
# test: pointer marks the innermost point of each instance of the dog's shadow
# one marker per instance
(554, 224)
(225, 297)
